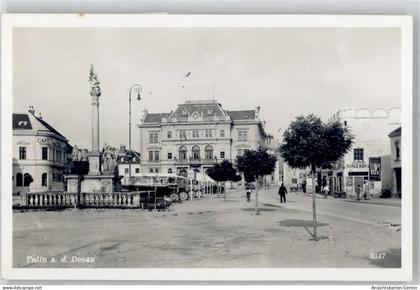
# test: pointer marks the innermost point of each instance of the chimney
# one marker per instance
(122, 148)
(257, 112)
(31, 110)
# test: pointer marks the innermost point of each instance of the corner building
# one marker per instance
(41, 155)
(195, 136)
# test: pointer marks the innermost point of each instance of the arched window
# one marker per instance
(151, 170)
(209, 152)
(19, 179)
(44, 179)
(27, 179)
(182, 153)
(195, 153)
(170, 170)
(156, 170)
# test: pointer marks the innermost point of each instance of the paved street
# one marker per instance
(211, 232)
(374, 211)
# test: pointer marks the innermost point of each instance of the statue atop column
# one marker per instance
(95, 89)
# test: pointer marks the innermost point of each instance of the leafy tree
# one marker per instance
(222, 172)
(255, 164)
(308, 142)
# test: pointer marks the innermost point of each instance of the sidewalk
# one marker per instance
(366, 212)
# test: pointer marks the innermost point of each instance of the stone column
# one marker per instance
(95, 155)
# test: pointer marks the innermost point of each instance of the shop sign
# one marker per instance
(357, 164)
(375, 168)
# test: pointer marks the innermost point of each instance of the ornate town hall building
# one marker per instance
(195, 136)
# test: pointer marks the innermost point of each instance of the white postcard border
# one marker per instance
(9, 21)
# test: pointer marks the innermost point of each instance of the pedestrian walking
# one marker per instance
(304, 186)
(282, 193)
(358, 190)
(248, 195)
(366, 190)
(326, 190)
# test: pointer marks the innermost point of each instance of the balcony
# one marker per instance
(194, 161)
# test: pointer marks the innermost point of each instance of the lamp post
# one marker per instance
(137, 88)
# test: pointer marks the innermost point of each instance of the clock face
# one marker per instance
(195, 116)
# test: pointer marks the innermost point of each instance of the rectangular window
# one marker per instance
(150, 155)
(242, 135)
(209, 133)
(195, 133)
(169, 155)
(156, 155)
(153, 138)
(222, 133)
(126, 171)
(169, 134)
(22, 153)
(397, 150)
(44, 153)
(137, 170)
(222, 154)
(183, 134)
(358, 154)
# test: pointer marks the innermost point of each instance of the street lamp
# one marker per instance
(137, 88)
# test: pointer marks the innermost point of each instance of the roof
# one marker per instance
(206, 109)
(125, 160)
(395, 133)
(242, 115)
(49, 127)
(155, 118)
(21, 121)
(31, 122)
(203, 108)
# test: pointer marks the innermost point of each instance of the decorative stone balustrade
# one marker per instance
(99, 200)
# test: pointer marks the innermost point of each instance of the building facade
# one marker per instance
(370, 156)
(395, 138)
(124, 159)
(41, 155)
(195, 136)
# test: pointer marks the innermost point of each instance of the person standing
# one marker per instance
(304, 186)
(282, 193)
(366, 190)
(326, 191)
(358, 189)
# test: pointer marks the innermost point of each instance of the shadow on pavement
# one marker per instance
(306, 225)
(391, 259)
(300, 223)
(271, 205)
(259, 209)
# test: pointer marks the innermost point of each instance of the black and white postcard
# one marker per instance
(206, 147)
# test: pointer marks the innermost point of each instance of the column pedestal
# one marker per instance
(94, 163)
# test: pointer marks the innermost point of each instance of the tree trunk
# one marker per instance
(225, 191)
(256, 197)
(314, 203)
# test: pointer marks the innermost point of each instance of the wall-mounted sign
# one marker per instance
(375, 168)
(44, 140)
(357, 164)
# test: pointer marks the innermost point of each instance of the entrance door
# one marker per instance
(398, 179)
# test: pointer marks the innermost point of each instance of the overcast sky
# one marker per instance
(285, 71)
